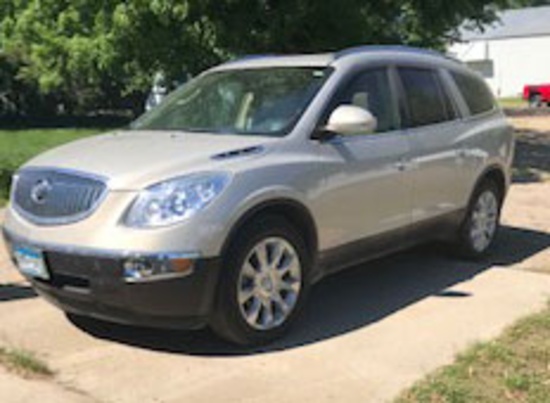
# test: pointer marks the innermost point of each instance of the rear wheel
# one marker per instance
(535, 101)
(480, 226)
(264, 282)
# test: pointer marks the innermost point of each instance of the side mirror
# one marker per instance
(351, 119)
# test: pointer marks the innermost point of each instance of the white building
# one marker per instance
(510, 53)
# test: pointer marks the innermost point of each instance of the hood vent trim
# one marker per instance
(241, 152)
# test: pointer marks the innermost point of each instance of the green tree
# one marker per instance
(90, 54)
(312, 25)
(98, 53)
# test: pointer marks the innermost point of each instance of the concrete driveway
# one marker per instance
(366, 333)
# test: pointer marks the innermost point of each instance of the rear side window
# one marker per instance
(475, 93)
(427, 101)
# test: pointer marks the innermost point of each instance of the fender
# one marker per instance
(297, 213)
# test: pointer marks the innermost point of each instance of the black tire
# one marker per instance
(465, 245)
(227, 321)
(535, 101)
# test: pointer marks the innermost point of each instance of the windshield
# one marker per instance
(267, 101)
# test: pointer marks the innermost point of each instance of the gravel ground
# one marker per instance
(532, 162)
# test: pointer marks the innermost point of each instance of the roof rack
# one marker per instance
(251, 57)
(395, 48)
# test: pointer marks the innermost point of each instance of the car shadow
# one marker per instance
(346, 301)
(12, 292)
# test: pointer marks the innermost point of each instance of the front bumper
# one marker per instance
(92, 283)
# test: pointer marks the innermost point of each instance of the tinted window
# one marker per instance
(371, 90)
(474, 91)
(427, 101)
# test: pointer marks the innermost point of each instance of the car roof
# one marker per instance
(260, 61)
(350, 55)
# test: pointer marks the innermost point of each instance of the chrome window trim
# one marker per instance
(41, 221)
(343, 139)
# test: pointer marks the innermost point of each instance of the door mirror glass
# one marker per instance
(350, 120)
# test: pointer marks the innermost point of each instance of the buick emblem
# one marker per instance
(40, 191)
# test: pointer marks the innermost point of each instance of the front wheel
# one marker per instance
(264, 283)
(480, 226)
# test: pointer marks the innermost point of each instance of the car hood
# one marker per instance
(132, 160)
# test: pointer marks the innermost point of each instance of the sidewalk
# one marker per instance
(14, 389)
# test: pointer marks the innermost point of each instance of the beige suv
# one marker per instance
(223, 205)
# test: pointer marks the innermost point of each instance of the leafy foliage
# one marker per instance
(310, 25)
(99, 54)
(84, 55)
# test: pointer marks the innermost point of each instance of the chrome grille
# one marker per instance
(50, 197)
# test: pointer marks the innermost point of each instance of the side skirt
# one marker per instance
(443, 228)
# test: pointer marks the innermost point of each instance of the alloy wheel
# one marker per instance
(484, 221)
(269, 283)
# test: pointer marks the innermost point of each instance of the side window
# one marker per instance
(371, 90)
(426, 98)
(475, 93)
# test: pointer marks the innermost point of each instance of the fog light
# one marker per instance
(140, 269)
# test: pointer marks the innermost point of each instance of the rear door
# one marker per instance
(433, 128)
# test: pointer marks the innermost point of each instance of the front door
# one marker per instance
(367, 191)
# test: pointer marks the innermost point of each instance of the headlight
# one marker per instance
(175, 200)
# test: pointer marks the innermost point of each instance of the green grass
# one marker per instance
(512, 103)
(24, 363)
(513, 368)
(18, 146)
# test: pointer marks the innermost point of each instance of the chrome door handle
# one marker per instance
(461, 153)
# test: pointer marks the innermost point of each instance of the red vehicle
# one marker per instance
(537, 95)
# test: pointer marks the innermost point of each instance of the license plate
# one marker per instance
(30, 262)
